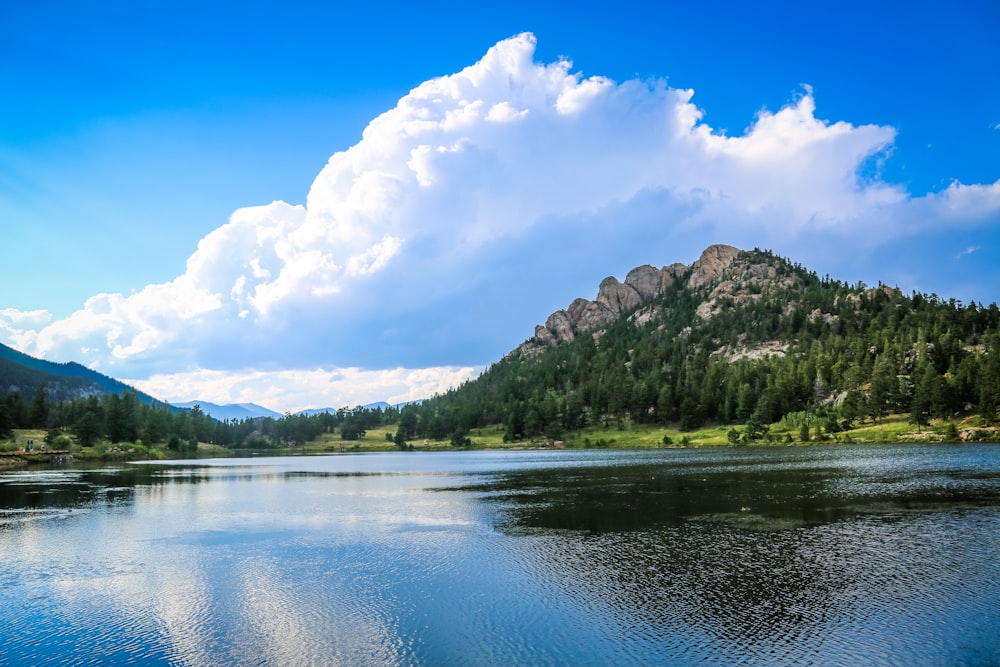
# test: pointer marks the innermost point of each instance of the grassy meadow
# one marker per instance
(892, 429)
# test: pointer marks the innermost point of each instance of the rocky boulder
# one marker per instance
(560, 326)
(646, 281)
(576, 310)
(594, 316)
(711, 264)
(618, 297)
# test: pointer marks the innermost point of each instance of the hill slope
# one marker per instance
(23, 374)
(742, 338)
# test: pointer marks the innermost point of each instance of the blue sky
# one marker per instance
(142, 144)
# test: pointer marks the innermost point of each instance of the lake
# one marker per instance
(831, 555)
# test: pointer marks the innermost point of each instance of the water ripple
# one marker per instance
(847, 556)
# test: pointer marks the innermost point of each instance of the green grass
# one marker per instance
(106, 451)
(21, 438)
(892, 429)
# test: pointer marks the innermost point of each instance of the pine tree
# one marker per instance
(40, 408)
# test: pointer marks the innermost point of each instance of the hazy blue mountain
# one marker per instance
(316, 411)
(378, 405)
(237, 411)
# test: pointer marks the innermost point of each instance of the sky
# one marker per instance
(307, 205)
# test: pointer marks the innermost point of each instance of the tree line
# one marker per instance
(123, 418)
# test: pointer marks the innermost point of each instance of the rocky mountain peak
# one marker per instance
(642, 284)
(646, 280)
(617, 296)
(713, 261)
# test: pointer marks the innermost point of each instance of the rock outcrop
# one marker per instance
(711, 264)
(618, 297)
(560, 325)
(614, 298)
(735, 279)
(647, 281)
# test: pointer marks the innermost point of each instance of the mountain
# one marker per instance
(641, 285)
(741, 338)
(309, 412)
(237, 411)
(744, 340)
(312, 412)
(241, 411)
(23, 374)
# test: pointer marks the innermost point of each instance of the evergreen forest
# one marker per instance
(768, 341)
(780, 343)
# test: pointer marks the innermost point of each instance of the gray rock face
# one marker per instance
(711, 264)
(560, 326)
(594, 316)
(544, 336)
(646, 281)
(673, 272)
(576, 309)
(614, 298)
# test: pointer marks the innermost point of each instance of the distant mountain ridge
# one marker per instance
(378, 405)
(241, 411)
(226, 412)
(24, 374)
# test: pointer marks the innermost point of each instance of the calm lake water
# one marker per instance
(851, 555)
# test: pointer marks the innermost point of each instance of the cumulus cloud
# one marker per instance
(405, 244)
(18, 326)
(295, 390)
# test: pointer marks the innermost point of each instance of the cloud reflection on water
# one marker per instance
(776, 556)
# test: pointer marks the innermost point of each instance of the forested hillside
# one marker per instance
(124, 418)
(757, 339)
(77, 406)
(23, 374)
(739, 339)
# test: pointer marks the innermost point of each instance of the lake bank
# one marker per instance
(892, 429)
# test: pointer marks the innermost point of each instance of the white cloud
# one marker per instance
(965, 203)
(968, 251)
(577, 98)
(374, 258)
(18, 327)
(295, 390)
(503, 112)
(24, 318)
(114, 327)
(394, 258)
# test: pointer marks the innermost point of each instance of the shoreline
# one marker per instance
(892, 430)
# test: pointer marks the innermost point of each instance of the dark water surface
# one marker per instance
(884, 555)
